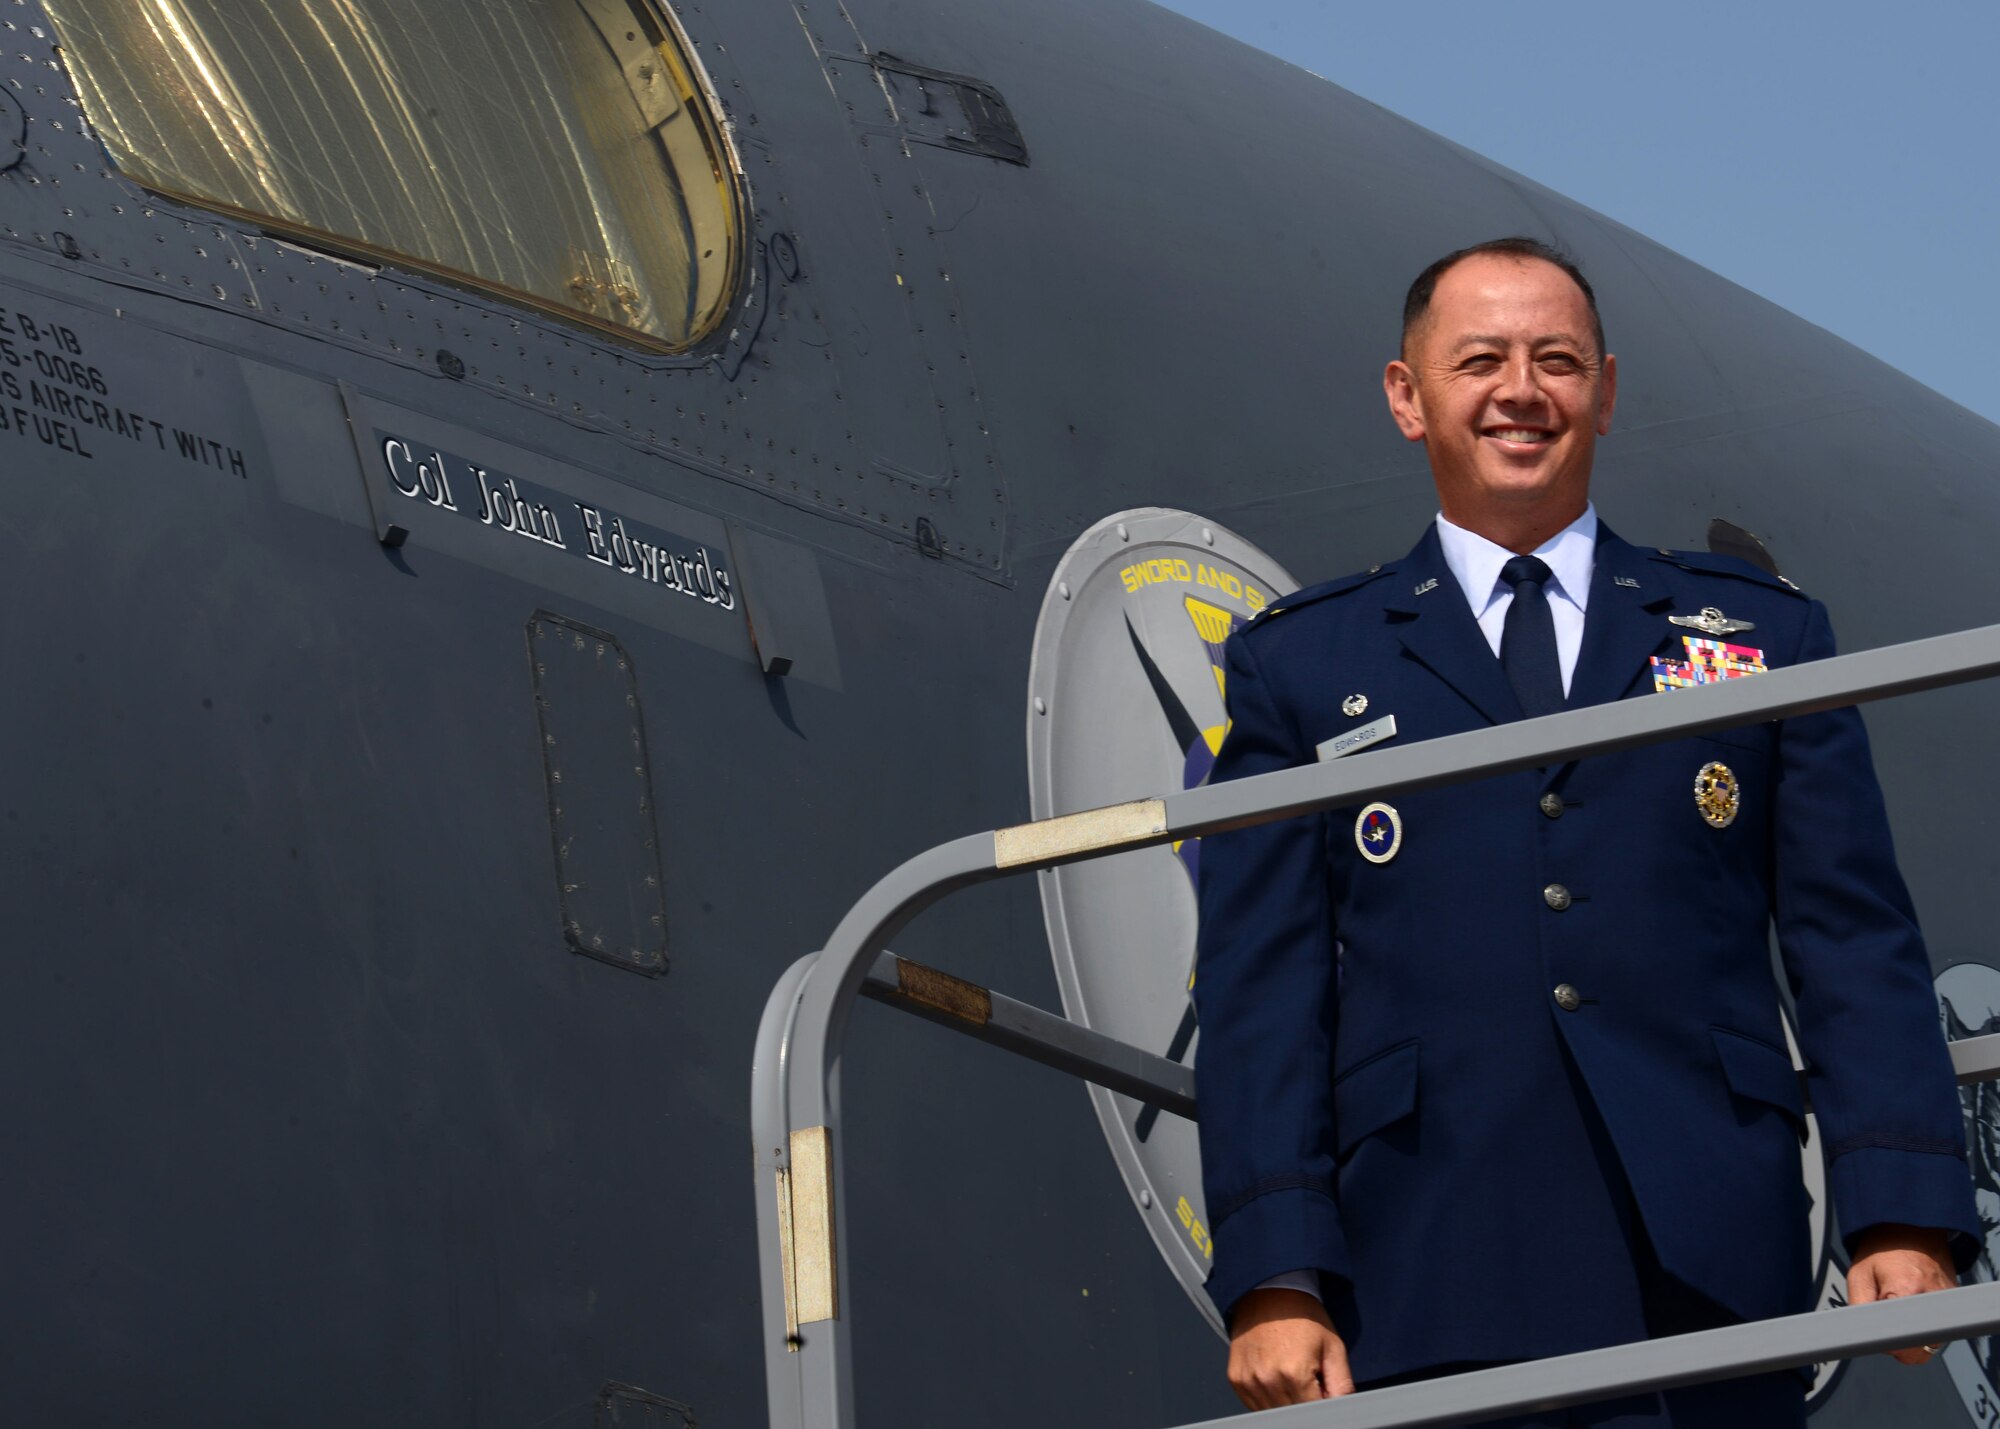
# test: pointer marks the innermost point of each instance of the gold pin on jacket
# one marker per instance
(1717, 795)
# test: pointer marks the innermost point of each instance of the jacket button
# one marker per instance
(1568, 998)
(1552, 804)
(1556, 896)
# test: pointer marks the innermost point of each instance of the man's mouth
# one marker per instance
(1525, 436)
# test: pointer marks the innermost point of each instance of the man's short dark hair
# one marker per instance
(1418, 301)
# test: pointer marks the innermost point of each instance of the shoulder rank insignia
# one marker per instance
(1712, 622)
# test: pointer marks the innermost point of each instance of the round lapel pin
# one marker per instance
(1378, 833)
(1717, 795)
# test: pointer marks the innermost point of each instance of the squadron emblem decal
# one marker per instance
(1126, 697)
(1968, 997)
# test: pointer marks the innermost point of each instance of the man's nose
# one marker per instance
(1520, 381)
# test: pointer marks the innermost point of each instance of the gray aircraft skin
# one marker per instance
(315, 1114)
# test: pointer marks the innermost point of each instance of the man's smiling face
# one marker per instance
(1503, 383)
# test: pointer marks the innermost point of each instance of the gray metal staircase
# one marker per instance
(795, 1114)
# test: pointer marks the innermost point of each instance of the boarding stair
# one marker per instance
(804, 1263)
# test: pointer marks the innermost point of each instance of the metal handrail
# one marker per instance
(796, 1073)
(1757, 1348)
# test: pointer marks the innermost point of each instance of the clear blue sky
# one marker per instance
(1841, 159)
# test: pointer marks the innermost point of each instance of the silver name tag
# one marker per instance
(1373, 733)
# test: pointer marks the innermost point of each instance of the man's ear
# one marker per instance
(1406, 403)
(1607, 395)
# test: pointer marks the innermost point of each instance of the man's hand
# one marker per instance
(1283, 1350)
(1893, 1261)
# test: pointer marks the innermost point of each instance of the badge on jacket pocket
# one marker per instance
(1716, 794)
(1378, 833)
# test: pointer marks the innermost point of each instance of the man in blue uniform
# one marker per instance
(1498, 1071)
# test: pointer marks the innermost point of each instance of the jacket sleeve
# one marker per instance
(1882, 1083)
(1264, 992)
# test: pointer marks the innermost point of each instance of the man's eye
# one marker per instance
(1559, 362)
(1482, 359)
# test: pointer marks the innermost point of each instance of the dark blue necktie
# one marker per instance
(1528, 640)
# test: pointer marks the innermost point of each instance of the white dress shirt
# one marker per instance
(1571, 555)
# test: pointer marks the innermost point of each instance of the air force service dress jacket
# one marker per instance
(1432, 1077)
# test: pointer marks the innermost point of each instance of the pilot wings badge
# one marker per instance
(1712, 622)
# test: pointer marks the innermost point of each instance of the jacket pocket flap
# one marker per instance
(1760, 1072)
(1374, 1094)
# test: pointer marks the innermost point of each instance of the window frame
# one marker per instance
(726, 170)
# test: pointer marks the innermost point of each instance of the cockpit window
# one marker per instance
(561, 151)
